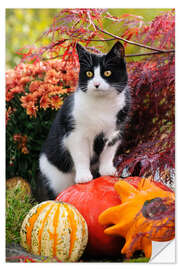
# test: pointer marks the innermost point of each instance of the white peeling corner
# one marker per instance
(163, 252)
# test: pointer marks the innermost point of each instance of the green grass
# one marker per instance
(17, 206)
(138, 260)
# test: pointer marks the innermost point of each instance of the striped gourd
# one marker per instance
(55, 229)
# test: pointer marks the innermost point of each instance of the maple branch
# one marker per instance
(150, 53)
(127, 55)
(86, 39)
(130, 42)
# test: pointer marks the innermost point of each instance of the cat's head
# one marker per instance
(102, 74)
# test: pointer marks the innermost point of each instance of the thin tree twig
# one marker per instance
(86, 39)
(127, 55)
(150, 53)
(130, 42)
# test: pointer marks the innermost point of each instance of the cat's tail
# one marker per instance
(42, 191)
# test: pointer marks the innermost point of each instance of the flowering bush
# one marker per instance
(35, 91)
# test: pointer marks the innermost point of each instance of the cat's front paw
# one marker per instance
(107, 170)
(83, 177)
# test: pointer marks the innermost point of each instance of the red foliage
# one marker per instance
(150, 139)
(159, 33)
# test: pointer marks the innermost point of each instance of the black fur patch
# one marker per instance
(123, 114)
(62, 126)
(99, 143)
(43, 191)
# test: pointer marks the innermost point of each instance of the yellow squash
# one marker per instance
(55, 229)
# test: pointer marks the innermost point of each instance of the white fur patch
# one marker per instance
(79, 148)
(57, 180)
(96, 114)
(106, 160)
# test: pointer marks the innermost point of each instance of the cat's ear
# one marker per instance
(116, 51)
(84, 55)
(80, 49)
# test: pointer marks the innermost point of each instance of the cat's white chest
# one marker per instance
(97, 114)
(100, 117)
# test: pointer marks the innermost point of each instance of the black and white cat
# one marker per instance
(88, 128)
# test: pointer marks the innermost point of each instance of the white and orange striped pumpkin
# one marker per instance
(55, 229)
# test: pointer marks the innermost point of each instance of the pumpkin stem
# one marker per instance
(125, 190)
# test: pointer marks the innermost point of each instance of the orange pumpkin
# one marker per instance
(54, 229)
(146, 213)
(91, 199)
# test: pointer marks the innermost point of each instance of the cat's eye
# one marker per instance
(89, 74)
(107, 73)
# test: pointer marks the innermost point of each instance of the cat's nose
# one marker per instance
(97, 84)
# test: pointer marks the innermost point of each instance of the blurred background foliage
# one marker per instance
(24, 27)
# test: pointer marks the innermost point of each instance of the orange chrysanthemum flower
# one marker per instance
(52, 76)
(25, 80)
(8, 113)
(25, 150)
(10, 76)
(44, 102)
(21, 143)
(56, 102)
(31, 109)
(17, 90)
(35, 85)
(26, 100)
(9, 96)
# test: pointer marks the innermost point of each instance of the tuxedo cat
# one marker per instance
(88, 128)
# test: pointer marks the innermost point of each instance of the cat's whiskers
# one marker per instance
(119, 86)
